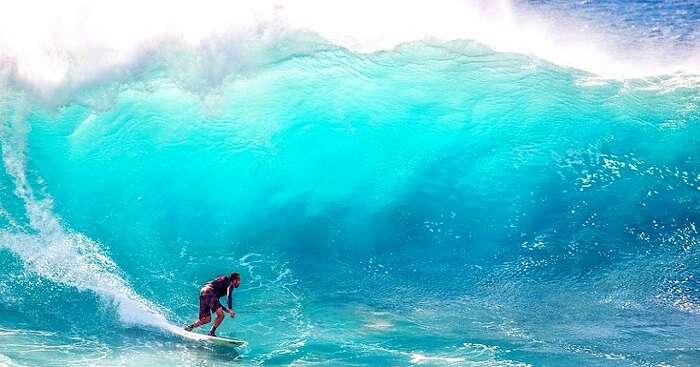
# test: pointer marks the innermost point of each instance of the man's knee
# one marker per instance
(220, 312)
(205, 319)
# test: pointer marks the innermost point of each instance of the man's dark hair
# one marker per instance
(235, 276)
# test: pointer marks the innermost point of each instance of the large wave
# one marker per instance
(440, 202)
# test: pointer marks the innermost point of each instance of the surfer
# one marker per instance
(209, 301)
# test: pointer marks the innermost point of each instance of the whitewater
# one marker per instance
(462, 183)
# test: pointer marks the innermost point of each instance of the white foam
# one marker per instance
(48, 44)
(5, 361)
(421, 358)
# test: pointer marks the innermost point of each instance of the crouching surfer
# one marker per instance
(209, 301)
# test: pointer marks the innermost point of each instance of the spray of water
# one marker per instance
(53, 251)
(75, 41)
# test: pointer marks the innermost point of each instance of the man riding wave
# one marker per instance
(209, 301)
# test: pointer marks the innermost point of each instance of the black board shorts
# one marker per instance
(208, 302)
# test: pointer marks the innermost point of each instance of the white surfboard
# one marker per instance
(224, 341)
(211, 339)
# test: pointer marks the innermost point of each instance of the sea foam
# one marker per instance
(77, 41)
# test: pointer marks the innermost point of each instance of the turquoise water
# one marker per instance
(436, 204)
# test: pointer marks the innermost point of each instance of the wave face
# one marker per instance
(438, 204)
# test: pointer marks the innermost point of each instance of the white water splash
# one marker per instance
(49, 249)
(50, 44)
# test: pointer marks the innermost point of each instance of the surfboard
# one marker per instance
(213, 339)
(225, 341)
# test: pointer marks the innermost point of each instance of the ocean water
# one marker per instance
(441, 202)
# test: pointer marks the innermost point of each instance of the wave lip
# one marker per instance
(78, 41)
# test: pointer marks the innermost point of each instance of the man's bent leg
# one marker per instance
(198, 323)
(217, 322)
(204, 312)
